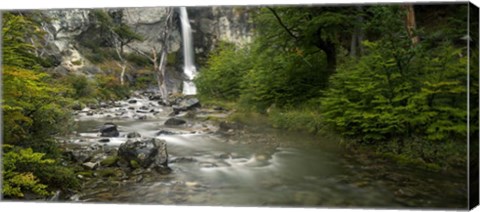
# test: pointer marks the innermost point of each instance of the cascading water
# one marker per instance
(189, 68)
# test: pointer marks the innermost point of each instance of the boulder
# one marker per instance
(132, 101)
(164, 132)
(147, 153)
(186, 104)
(174, 122)
(134, 135)
(104, 140)
(109, 130)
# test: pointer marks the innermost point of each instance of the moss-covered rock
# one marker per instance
(134, 164)
(109, 161)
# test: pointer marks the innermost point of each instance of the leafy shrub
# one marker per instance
(109, 87)
(283, 77)
(17, 180)
(222, 76)
(26, 171)
(81, 85)
(32, 108)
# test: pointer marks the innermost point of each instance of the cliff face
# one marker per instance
(210, 25)
(70, 29)
(214, 24)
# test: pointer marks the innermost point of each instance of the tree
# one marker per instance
(411, 24)
(160, 63)
(19, 35)
(321, 27)
(34, 111)
(118, 36)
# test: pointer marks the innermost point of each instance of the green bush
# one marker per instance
(109, 87)
(375, 100)
(222, 76)
(81, 85)
(26, 171)
(282, 77)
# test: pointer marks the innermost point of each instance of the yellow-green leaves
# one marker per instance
(17, 179)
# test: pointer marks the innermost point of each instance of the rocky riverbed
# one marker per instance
(143, 150)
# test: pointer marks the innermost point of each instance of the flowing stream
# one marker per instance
(189, 68)
(258, 166)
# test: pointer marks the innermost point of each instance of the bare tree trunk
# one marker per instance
(411, 24)
(356, 48)
(122, 64)
(159, 67)
(161, 71)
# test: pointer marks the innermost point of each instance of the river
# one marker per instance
(260, 166)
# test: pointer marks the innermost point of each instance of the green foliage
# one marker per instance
(404, 99)
(26, 171)
(298, 119)
(109, 87)
(222, 76)
(382, 97)
(32, 109)
(16, 29)
(16, 179)
(282, 77)
(82, 87)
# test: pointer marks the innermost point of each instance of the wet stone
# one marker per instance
(109, 130)
(134, 135)
(174, 122)
(104, 140)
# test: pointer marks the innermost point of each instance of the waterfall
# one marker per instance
(189, 68)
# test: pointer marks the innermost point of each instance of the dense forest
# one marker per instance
(391, 78)
(387, 79)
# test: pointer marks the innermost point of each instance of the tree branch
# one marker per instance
(282, 24)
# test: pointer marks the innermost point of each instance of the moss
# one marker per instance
(134, 164)
(110, 172)
(77, 62)
(171, 59)
(86, 173)
(109, 161)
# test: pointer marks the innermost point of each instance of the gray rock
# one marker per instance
(186, 104)
(164, 132)
(134, 135)
(104, 140)
(147, 153)
(174, 122)
(132, 101)
(109, 130)
(90, 165)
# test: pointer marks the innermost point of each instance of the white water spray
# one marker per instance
(189, 68)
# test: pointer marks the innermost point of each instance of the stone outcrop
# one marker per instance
(147, 153)
(70, 29)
